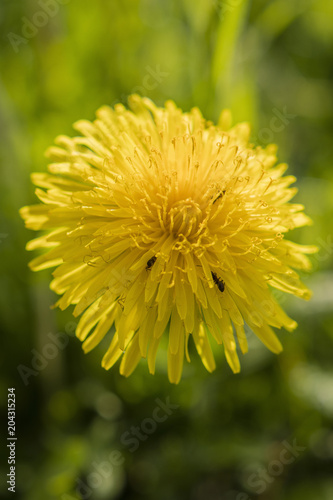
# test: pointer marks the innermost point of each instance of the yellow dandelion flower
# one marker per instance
(161, 223)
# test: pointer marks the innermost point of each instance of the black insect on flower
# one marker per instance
(218, 282)
(150, 263)
(219, 196)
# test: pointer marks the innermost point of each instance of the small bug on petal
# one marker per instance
(218, 282)
(150, 263)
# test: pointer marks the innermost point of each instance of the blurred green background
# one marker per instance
(270, 62)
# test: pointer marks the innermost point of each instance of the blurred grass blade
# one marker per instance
(231, 18)
(278, 15)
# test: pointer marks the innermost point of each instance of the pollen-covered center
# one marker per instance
(184, 218)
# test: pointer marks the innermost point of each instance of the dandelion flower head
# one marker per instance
(163, 225)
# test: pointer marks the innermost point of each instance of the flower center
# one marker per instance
(185, 217)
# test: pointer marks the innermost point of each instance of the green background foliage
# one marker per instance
(228, 434)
